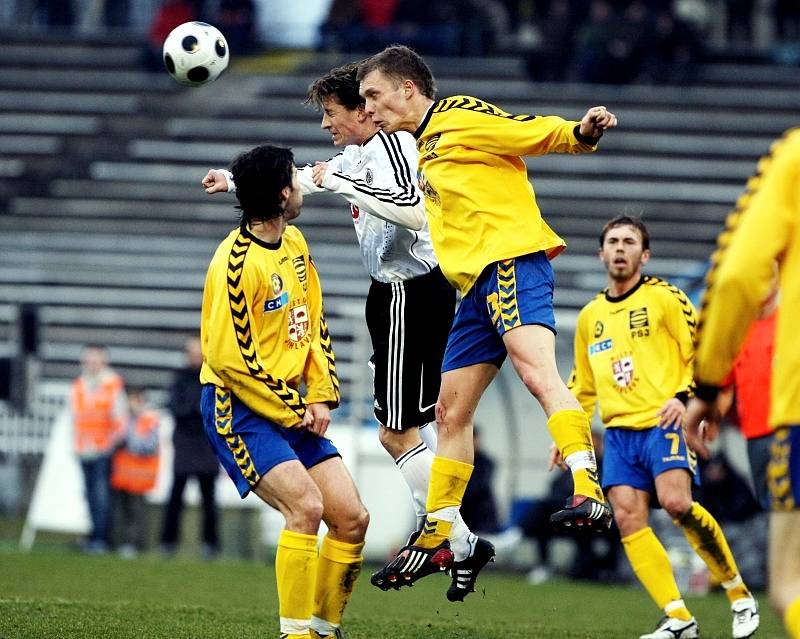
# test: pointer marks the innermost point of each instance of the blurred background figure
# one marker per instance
(134, 468)
(237, 20)
(99, 413)
(193, 456)
(169, 15)
(479, 508)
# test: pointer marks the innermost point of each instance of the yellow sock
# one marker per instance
(791, 618)
(338, 568)
(449, 478)
(571, 432)
(296, 572)
(651, 564)
(708, 541)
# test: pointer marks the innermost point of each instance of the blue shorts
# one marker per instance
(783, 470)
(636, 457)
(248, 445)
(507, 294)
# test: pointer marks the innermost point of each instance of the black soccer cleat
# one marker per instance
(582, 513)
(464, 573)
(411, 564)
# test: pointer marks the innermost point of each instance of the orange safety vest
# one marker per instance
(136, 473)
(96, 427)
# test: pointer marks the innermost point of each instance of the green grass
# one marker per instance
(54, 593)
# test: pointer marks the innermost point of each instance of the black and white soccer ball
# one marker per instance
(195, 53)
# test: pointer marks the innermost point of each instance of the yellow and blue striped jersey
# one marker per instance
(764, 227)
(481, 207)
(634, 352)
(262, 327)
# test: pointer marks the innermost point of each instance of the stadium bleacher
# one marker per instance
(103, 224)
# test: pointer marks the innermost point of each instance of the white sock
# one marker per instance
(415, 466)
(429, 435)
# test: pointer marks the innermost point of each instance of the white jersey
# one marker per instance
(378, 178)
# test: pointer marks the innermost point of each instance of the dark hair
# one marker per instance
(627, 220)
(260, 175)
(339, 84)
(400, 63)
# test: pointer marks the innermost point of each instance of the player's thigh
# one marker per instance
(343, 511)
(784, 557)
(289, 488)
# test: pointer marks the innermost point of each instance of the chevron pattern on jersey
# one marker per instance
(688, 312)
(473, 104)
(223, 422)
(778, 473)
(241, 324)
(327, 349)
(507, 294)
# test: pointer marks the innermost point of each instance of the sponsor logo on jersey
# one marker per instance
(299, 264)
(598, 328)
(354, 211)
(426, 149)
(638, 318)
(599, 347)
(428, 191)
(275, 303)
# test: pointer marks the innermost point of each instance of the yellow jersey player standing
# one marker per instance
(634, 355)
(493, 245)
(264, 337)
(762, 229)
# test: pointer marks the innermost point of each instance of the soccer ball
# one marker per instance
(195, 53)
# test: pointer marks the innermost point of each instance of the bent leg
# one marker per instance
(340, 556)
(701, 530)
(532, 351)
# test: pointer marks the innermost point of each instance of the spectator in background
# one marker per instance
(550, 61)
(787, 20)
(672, 51)
(479, 508)
(170, 14)
(236, 19)
(99, 412)
(134, 468)
(591, 51)
(193, 455)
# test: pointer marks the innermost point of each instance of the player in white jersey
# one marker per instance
(410, 305)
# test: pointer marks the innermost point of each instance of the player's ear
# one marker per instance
(361, 113)
(645, 256)
(408, 88)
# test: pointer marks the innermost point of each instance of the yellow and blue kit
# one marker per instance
(264, 335)
(762, 229)
(632, 354)
(486, 228)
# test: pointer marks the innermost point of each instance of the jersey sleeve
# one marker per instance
(493, 130)
(235, 357)
(581, 381)
(680, 319)
(757, 233)
(322, 383)
(392, 195)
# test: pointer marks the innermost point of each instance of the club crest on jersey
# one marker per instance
(298, 325)
(622, 370)
(599, 347)
(368, 177)
(598, 328)
(427, 190)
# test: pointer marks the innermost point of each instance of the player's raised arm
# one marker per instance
(218, 181)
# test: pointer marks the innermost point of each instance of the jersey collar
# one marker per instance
(272, 246)
(425, 119)
(625, 296)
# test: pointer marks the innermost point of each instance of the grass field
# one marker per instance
(55, 593)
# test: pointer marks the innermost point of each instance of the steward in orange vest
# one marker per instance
(98, 411)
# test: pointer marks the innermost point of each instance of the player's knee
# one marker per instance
(450, 418)
(305, 513)
(628, 521)
(392, 441)
(351, 526)
(676, 505)
(538, 382)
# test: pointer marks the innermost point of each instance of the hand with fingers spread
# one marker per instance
(215, 182)
(597, 120)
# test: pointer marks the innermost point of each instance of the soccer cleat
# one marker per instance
(413, 563)
(745, 617)
(582, 513)
(337, 634)
(672, 628)
(464, 573)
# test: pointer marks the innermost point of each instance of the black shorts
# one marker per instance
(408, 323)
